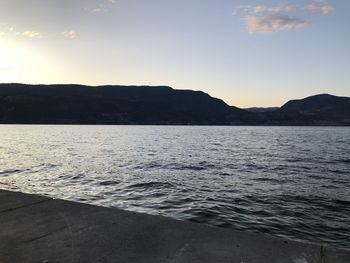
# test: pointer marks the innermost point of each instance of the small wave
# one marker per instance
(271, 180)
(343, 160)
(10, 172)
(150, 165)
(339, 171)
(295, 160)
(151, 185)
(316, 176)
(104, 183)
(341, 202)
(77, 177)
(51, 165)
(329, 186)
(310, 198)
(180, 167)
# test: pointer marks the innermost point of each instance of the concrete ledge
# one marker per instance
(40, 229)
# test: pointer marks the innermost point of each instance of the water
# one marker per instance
(288, 181)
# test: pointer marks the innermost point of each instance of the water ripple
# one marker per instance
(288, 181)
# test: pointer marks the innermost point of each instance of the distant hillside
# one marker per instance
(261, 109)
(323, 109)
(78, 104)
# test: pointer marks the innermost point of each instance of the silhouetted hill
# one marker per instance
(112, 105)
(261, 109)
(78, 104)
(323, 109)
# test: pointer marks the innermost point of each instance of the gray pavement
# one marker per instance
(44, 230)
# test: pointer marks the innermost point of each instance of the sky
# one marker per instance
(246, 52)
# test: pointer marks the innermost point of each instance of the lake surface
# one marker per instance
(288, 181)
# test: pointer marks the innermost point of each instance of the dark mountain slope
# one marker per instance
(79, 104)
(261, 109)
(323, 109)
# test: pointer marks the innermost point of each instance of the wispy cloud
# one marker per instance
(100, 6)
(32, 34)
(280, 8)
(272, 23)
(95, 9)
(8, 30)
(319, 6)
(264, 18)
(69, 34)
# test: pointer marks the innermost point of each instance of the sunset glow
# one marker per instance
(240, 51)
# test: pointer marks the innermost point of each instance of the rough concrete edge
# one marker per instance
(324, 250)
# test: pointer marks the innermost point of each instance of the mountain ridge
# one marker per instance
(261, 109)
(118, 104)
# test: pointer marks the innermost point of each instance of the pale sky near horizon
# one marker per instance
(246, 52)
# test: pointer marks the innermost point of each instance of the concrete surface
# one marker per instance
(43, 230)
